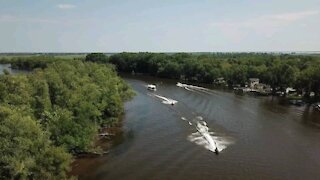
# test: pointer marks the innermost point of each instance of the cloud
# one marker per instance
(266, 25)
(289, 17)
(66, 6)
(7, 18)
(10, 18)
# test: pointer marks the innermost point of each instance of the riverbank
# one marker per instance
(284, 100)
(260, 71)
(85, 162)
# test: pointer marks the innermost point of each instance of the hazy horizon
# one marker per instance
(192, 52)
(151, 26)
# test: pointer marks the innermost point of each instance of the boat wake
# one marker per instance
(207, 139)
(203, 137)
(194, 88)
(190, 86)
(166, 100)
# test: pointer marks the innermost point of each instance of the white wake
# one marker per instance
(209, 140)
(194, 88)
(166, 100)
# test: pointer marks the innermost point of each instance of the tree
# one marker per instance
(6, 72)
(26, 151)
(96, 57)
(52, 111)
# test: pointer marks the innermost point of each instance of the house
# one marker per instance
(219, 81)
(312, 94)
(265, 88)
(290, 91)
(253, 82)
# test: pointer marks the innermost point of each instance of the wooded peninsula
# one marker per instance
(53, 113)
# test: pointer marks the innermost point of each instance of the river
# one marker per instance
(257, 137)
(10, 70)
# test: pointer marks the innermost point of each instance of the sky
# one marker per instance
(159, 26)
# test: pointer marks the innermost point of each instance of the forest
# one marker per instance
(53, 113)
(277, 70)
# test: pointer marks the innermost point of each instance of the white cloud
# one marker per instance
(292, 16)
(266, 25)
(66, 6)
(7, 18)
(10, 18)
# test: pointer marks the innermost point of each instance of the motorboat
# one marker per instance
(152, 87)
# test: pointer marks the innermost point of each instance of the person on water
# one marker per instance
(216, 151)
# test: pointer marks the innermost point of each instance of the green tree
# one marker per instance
(26, 151)
(96, 57)
(52, 111)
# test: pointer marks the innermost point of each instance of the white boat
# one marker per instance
(152, 87)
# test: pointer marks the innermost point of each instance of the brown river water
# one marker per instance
(258, 138)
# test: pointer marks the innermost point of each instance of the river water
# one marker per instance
(10, 70)
(257, 137)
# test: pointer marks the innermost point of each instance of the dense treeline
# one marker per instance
(30, 63)
(278, 70)
(53, 112)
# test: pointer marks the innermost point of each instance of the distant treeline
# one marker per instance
(277, 70)
(51, 113)
(32, 62)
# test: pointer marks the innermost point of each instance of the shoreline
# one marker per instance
(104, 143)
